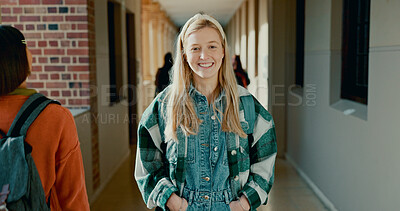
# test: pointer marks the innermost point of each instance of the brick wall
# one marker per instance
(57, 35)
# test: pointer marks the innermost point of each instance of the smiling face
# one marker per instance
(204, 53)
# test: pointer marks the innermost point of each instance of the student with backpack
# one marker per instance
(205, 143)
(40, 158)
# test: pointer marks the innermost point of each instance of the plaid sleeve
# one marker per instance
(150, 174)
(263, 151)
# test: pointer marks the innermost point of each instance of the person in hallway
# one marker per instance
(52, 136)
(205, 143)
(241, 75)
(163, 73)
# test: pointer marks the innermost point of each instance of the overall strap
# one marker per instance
(29, 111)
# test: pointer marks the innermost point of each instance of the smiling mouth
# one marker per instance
(206, 65)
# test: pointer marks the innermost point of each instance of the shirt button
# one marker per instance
(236, 178)
(206, 178)
(215, 149)
(233, 152)
(213, 117)
(206, 197)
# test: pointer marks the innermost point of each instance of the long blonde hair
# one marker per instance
(180, 110)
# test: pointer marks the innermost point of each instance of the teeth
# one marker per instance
(205, 64)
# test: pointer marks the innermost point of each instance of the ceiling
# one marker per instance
(179, 11)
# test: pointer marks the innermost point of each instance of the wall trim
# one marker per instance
(104, 184)
(327, 203)
(384, 48)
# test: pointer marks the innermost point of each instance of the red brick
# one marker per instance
(82, 26)
(77, 35)
(30, 27)
(73, 10)
(83, 59)
(53, 18)
(78, 68)
(62, 101)
(83, 43)
(31, 44)
(42, 44)
(54, 51)
(42, 59)
(32, 35)
(78, 101)
(73, 52)
(17, 10)
(43, 76)
(75, 1)
(75, 93)
(52, 2)
(37, 69)
(75, 76)
(74, 60)
(32, 76)
(34, 60)
(66, 60)
(44, 92)
(29, 18)
(36, 51)
(85, 85)
(84, 76)
(65, 43)
(5, 10)
(56, 85)
(54, 68)
(76, 18)
(53, 35)
(84, 93)
(35, 84)
(66, 93)
(73, 26)
(54, 76)
(54, 93)
(19, 26)
(21, 2)
(9, 19)
(53, 43)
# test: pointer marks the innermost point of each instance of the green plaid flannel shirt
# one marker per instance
(251, 162)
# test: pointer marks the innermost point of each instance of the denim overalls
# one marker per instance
(207, 174)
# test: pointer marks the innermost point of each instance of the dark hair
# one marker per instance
(238, 63)
(14, 66)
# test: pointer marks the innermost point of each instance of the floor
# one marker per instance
(289, 192)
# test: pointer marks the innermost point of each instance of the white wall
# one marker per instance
(112, 120)
(354, 162)
(83, 126)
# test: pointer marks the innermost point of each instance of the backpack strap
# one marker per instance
(29, 111)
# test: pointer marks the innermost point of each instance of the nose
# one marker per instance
(204, 54)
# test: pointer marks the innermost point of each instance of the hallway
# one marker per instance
(289, 193)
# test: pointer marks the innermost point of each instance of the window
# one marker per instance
(300, 19)
(115, 50)
(355, 48)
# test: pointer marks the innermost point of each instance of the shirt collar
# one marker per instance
(194, 92)
(23, 91)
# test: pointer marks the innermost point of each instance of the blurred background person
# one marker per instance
(241, 75)
(163, 73)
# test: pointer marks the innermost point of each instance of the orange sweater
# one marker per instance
(55, 150)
